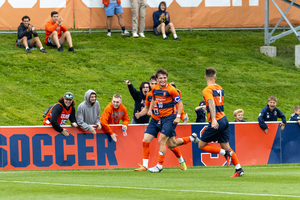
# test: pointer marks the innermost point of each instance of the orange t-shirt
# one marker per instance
(111, 115)
(166, 98)
(216, 93)
(51, 26)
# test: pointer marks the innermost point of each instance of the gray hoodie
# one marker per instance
(87, 114)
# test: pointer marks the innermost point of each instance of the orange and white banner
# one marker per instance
(184, 13)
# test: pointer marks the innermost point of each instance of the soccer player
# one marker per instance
(152, 131)
(166, 96)
(218, 128)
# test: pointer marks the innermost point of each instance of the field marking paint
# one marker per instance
(153, 189)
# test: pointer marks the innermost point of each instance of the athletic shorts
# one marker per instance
(167, 126)
(153, 128)
(157, 33)
(112, 9)
(20, 45)
(51, 43)
(220, 135)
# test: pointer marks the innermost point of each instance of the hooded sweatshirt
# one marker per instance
(88, 114)
(22, 31)
(156, 16)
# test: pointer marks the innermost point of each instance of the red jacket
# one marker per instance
(106, 2)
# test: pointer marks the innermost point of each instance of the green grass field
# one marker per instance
(260, 182)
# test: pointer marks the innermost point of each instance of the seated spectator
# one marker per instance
(111, 8)
(139, 98)
(112, 114)
(238, 115)
(25, 32)
(59, 114)
(200, 111)
(54, 36)
(296, 115)
(162, 24)
(88, 112)
(270, 113)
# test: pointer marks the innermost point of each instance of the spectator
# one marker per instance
(200, 111)
(59, 114)
(88, 112)
(162, 23)
(296, 115)
(25, 32)
(238, 115)
(270, 113)
(111, 8)
(112, 114)
(138, 7)
(139, 98)
(54, 37)
(152, 80)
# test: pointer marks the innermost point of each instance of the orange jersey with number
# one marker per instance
(166, 98)
(155, 113)
(216, 93)
(61, 120)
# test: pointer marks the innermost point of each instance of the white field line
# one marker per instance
(151, 189)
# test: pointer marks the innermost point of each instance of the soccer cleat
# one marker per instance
(72, 49)
(155, 169)
(176, 39)
(28, 50)
(135, 35)
(142, 168)
(60, 49)
(194, 138)
(125, 33)
(228, 155)
(183, 166)
(43, 51)
(238, 173)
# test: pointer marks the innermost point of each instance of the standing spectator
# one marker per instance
(54, 37)
(238, 115)
(200, 111)
(88, 112)
(112, 114)
(162, 23)
(59, 114)
(138, 8)
(270, 113)
(25, 32)
(139, 98)
(296, 115)
(111, 8)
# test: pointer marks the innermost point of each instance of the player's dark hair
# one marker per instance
(54, 13)
(163, 2)
(143, 85)
(161, 71)
(25, 17)
(153, 77)
(210, 72)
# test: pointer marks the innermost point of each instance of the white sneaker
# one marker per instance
(109, 34)
(194, 138)
(126, 33)
(155, 169)
(135, 35)
(142, 34)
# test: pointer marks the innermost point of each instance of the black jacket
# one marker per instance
(22, 31)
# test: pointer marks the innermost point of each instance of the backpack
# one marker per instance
(47, 110)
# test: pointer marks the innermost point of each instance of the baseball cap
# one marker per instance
(68, 95)
(202, 103)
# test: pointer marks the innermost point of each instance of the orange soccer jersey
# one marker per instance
(155, 113)
(165, 99)
(111, 115)
(216, 93)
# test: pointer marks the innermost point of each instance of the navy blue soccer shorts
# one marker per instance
(221, 135)
(153, 128)
(167, 126)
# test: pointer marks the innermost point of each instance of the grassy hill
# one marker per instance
(29, 83)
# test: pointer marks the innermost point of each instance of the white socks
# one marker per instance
(145, 162)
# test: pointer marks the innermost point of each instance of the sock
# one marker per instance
(222, 152)
(238, 166)
(175, 35)
(164, 36)
(211, 149)
(41, 48)
(27, 48)
(108, 30)
(161, 158)
(123, 28)
(146, 153)
(177, 152)
(234, 158)
(181, 160)
(186, 139)
(145, 162)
